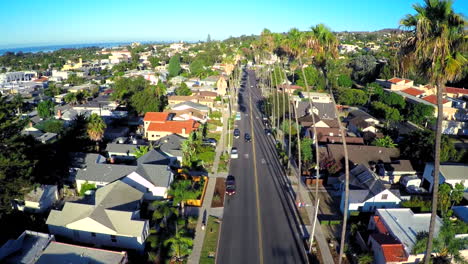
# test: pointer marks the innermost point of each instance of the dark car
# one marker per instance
(236, 133)
(247, 137)
(267, 131)
(210, 141)
(230, 185)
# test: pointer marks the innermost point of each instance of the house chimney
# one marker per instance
(112, 160)
(30, 124)
(59, 114)
(190, 114)
(183, 131)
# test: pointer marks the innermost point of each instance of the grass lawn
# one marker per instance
(211, 241)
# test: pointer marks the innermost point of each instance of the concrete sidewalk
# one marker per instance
(206, 206)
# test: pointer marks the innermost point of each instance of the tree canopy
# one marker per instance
(174, 66)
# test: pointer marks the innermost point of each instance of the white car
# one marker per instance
(234, 153)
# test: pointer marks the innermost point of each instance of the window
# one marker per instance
(113, 238)
(93, 234)
(384, 196)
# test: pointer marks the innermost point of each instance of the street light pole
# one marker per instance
(313, 227)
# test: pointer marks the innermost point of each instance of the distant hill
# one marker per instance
(381, 31)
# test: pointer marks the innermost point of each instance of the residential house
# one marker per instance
(188, 114)
(382, 161)
(321, 98)
(461, 212)
(327, 135)
(361, 122)
(290, 89)
(395, 234)
(158, 125)
(101, 105)
(151, 174)
(26, 249)
(210, 80)
(397, 84)
(202, 97)
(80, 88)
(306, 121)
(456, 92)
(171, 145)
(191, 105)
(367, 192)
(122, 151)
(110, 218)
(450, 173)
(61, 253)
(38, 200)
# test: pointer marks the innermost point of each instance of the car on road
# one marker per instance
(251, 86)
(267, 132)
(238, 116)
(266, 123)
(236, 133)
(247, 137)
(230, 185)
(234, 153)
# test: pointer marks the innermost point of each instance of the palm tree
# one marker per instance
(95, 128)
(324, 46)
(140, 151)
(181, 191)
(181, 245)
(70, 98)
(163, 210)
(435, 46)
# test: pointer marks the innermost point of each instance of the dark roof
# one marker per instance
(307, 121)
(359, 113)
(171, 145)
(360, 154)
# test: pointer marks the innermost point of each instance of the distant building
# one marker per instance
(450, 173)
(38, 200)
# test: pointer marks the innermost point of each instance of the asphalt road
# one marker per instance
(258, 225)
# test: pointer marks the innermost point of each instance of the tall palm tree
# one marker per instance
(96, 128)
(181, 245)
(181, 191)
(435, 46)
(324, 46)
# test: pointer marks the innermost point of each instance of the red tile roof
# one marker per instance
(175, 127)
(379, 225)
(290, 87)
(394, 80)
(394, 253)
(160, 117)
(42, 79)
(456, 90)
(433, 99)
(413, 91)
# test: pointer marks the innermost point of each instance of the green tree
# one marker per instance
(180, 245)
(140, 151)
(154, 61)
(53, 126)
(174, 66)
(344, 81)
(163, 210)
(147, 100)
(457, 193)
(181, 191)
(70, 98)
(307, 153)
(285, 128)
(436, 46)
(419, 147)
(96, 128)
(444, 201)
(419, 113)
(386, 142)
(386, 112)
(183, 90)
(313, 78)
(197, 67)
(394, 100)
(45, 109)
(349, 96)
(365, 69)
(365, 259)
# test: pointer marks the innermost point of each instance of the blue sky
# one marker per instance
(31, 22)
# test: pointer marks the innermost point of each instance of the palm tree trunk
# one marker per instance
(273, 123)
(299, 154)
(435, 188)
(346, 158)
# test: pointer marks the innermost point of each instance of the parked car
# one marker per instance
(247, 137)
(236, 133)
(210, 141)
(230, 185)
(234, 153)
(267, 132)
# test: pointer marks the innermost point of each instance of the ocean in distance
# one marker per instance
(50, 48)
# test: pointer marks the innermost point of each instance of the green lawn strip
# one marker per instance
(211, 240)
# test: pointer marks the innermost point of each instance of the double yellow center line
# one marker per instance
(257, 197)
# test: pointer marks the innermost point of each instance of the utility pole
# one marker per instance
(313, 227)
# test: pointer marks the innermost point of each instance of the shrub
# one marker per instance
(86, 187)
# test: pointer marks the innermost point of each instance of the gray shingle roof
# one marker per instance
(113, 207)
(121, 148)
(171, 145)
(192, 105)
(61, 253)
(153, 166)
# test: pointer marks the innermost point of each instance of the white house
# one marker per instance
(111, 219)
(152, 174)
(367, 192)
(449, 173)
(38, 200)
